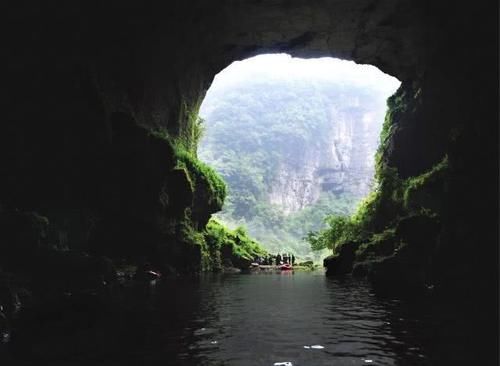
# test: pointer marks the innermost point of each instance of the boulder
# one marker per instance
(341, 263)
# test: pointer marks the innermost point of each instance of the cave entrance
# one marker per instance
(295, 141)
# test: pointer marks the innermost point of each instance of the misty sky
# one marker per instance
(283, 66)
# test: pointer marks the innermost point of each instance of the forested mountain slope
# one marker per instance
(293, 147)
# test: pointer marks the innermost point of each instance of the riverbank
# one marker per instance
(297, 267)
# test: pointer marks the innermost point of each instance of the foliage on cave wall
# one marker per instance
(202, 178)
(213, 245)
(228, 248)
(191, 126)
(394, 199)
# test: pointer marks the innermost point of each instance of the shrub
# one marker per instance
(220, 239)
(201, 174)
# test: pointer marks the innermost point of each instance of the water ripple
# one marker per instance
(304, 319)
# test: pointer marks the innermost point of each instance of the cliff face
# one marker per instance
(342, 164)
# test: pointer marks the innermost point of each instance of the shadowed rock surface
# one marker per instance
(87, 83)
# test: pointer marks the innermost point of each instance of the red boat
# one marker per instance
(286, 267)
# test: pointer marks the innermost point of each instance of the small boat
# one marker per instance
(286, 267)
(152, 275)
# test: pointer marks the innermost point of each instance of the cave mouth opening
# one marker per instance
(295, 141)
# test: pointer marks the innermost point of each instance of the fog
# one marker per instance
(283, 66)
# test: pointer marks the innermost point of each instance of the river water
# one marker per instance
(304, 318)
(301, 318)
(263, 318)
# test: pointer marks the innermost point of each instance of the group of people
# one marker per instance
(278, 259)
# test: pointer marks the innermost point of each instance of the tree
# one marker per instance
(340, 229)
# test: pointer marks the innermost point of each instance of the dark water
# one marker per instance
(302, 318)
(258, 319)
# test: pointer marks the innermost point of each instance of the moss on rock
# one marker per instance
(427, 190)
(233, 248)
(203, 179)
(397, 228)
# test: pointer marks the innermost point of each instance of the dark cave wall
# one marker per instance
(451, 113)
(87, 81)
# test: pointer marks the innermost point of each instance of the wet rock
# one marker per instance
(342, 262)
(146, 272)
(56, 273)
(22, 234)
(410, 264)
(9, 300)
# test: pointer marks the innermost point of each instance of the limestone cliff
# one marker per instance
(342, 163)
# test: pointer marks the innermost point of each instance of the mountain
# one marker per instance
(292, 149)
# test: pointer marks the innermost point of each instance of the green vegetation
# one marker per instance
(417, 192)
(285, 233)
(306, 266)
(230, 247)
(257, 128)
(379, 244)
(395, 106)
(373, 225)
(192, 128)
(258, 131)
(218, 246)
(338, 231)
(201, 174)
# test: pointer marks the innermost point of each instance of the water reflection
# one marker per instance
(261, 319)
(302, 318)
